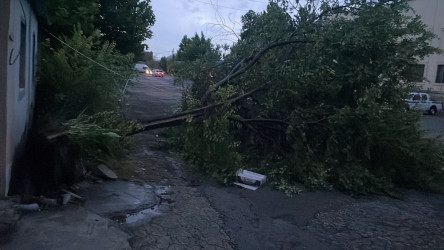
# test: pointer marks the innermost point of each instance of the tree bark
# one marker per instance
(179, 118)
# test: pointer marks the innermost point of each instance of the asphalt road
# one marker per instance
(205, 215)
(433, 125)
(151, 97)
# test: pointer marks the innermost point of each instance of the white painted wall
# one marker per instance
(19, 92)
(4, 27)
(432, 14)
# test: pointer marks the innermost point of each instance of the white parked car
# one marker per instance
(143, 68)
(421, 101)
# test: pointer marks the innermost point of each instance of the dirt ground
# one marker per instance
(198, 213)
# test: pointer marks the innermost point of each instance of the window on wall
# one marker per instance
(440, 74)
(22, 81)
(33, 56)
(415, 73)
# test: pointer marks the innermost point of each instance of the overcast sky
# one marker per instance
(176, 18)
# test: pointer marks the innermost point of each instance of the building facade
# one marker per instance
(432, 67)
(18, 56)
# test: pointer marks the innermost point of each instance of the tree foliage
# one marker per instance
(196, 47)
(80, 75)
(195, 56)
(331, 111)
(61, 16)
(127, 23)
(163, 63)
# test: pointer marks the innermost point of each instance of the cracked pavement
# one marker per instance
(162, 205)
(189, 221)
(206, 215)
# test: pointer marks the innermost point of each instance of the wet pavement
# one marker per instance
(268, 219)
(415, 222)
(113, 199)
(162, 205)
(433, 125)
(72, 227)
(188, 220)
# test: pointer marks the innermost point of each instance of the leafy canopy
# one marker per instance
(196, 47)
(127, 22)
(163, 63)
(195, 56)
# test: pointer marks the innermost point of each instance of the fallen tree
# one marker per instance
(179, 118)
(332, 114)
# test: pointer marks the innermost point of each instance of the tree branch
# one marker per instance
(262, 121)
(246, 124)
(179, 118)
(249, 62)
(172, 120)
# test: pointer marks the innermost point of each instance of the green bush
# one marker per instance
(207, 144)
(100, 135)
(71, 82)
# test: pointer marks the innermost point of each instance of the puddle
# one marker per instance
(145, 214)
(139, 217)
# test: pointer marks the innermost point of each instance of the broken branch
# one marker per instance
(179, 118)
(249, 62)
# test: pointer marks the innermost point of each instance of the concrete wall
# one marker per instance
(17, 81)
(432, 14)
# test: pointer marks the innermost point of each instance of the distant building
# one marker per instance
(18, 51)
(432, 67)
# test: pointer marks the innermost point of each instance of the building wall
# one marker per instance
(4, 27)
(17, 92)
(431, 12)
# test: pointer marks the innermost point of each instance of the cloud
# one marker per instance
(190, 7)
(243, 4)
(176, 18)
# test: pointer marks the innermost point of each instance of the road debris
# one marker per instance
(249, 180)
(106, 172)
(67, 197)
(27, 207)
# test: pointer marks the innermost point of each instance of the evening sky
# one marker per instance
(176, 18)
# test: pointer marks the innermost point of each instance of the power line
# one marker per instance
(80, 53)
(217, 5)
(257, 1)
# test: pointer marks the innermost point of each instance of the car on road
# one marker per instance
(421, 101)
(143, 68)
(158, 73)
